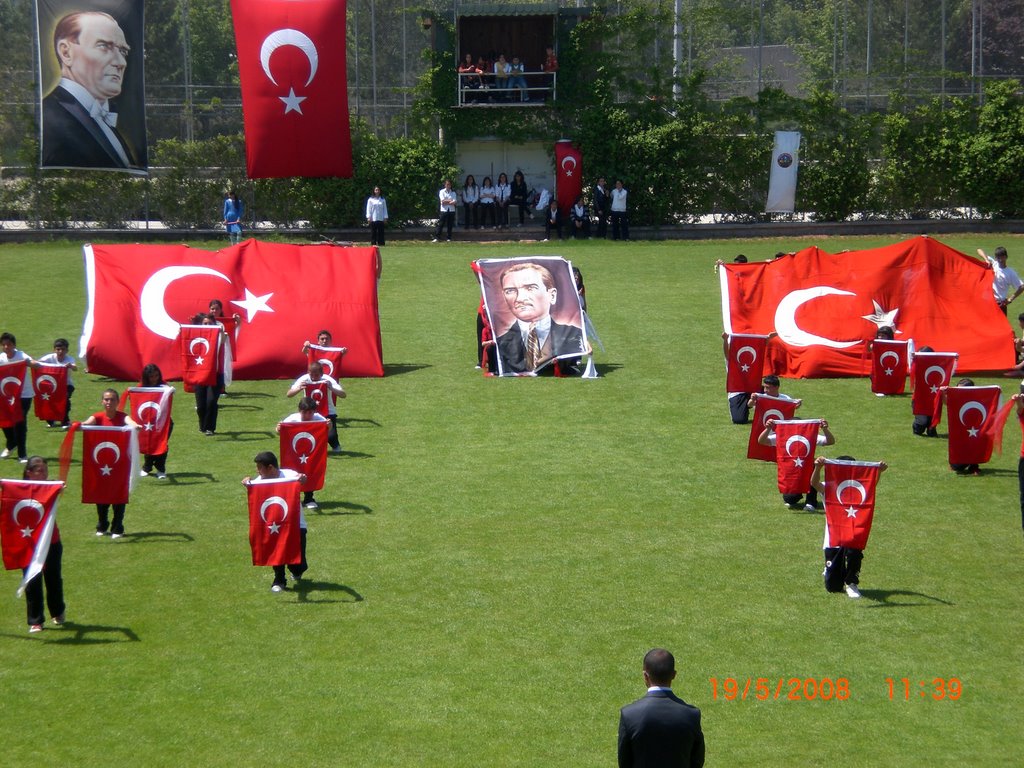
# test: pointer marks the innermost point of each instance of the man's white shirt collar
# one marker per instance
(96, 109)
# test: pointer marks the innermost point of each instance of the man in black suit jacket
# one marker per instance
(530, 292)
(660, 730)
(79, 128)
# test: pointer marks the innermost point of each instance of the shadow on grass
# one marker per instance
(354, 455)
(901, 598)
(306, 592)
(395, 369)
(248, 437)
(343, 508)
(155, 537)
(73, 633)
(188, 478)
(348, 423)
(245, 395)
(239, 407)
(603, 369)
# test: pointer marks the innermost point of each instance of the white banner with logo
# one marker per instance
(782, 181)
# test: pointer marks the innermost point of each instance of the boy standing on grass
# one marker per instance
(60, 356)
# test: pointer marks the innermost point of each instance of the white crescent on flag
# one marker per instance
(30, 504)
(785, 318)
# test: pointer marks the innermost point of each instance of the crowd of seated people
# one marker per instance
(486, 206)
(503, 79)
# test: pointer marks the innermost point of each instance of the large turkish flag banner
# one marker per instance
(767, 407)
(25, 508)
(50, 382)
(795, 443)
(889, 366)
(139, 295)
(12, 376)
(291, 62)
(151, 409)
(850, 501)
(568, 175)
(825, 306)
(304, 449)
(109, 464)
(972, 415)
(930, 371)
(274, 533)
(745, 363)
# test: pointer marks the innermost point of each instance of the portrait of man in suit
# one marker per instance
(79, 124)
(660, 730)
(534, 339)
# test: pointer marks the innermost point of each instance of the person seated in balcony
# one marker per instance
(471, 199)
(469, 79)
(550, 67)
(487, 204)
(485, 69)
(517, 79)
(502, 72)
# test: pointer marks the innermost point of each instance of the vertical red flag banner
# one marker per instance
(12, 375)
(889, 366)
(745, 365)
(51, 385)
(320, 394)
(151, 408)
(25, 511)
(330, 358)
(291, 61)
(139, 295)
(795, 443)
(568, 175)
(304, 449)
(274, 533)
(767, 407)
(930, 371)
(972, 415)
(850, 501)
(199, 346)
(110, 463)
(825, 306)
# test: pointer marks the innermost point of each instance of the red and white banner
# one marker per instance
(795, 443)
(139, 296)
(972, 414)
(151, 409)
(767, 407)
(745, 363)
(889, 366)
(319, 393)
(200, 348)
(825, 306)
(274, 533)
(26, 509)
(568, 175)
(110, 464)
(12, 377)
(51, 385)
(930, 371)
(291, 61)
(850, 501)
(330, 359)
(304, 449)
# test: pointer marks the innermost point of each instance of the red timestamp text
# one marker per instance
(775, 688)
(936, 688)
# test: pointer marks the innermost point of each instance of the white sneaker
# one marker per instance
(5, 453)
(277, 588)
(852, 591)
(101, 533)
(143, 473)
(117, 535)
(161, 476)
(312, 505)
(809, 508)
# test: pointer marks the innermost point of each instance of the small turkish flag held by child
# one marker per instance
(767, 407)
(304, 449)
(795, 443)
(745, 362)
(11, 377)
(889, 366)
(931, 370)
(109, 463)
(51, 385)
(25, 509)
(200, 352)
(850, 501)
(973, 415)
(151, 409)
(274, 533)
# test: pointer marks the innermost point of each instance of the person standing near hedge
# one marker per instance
(376, 216)
(233, 210)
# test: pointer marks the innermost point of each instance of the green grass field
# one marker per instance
(493, 557)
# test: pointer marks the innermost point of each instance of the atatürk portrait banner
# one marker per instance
(91, 86)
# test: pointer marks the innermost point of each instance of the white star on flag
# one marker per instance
(798, 462)
(254, 304)
(851, 512)
(881, 318)
(148, 426)
(973, 431)
(106, 470)
(274, 527)
(888, 371)
(199, 361)
(303, 459)
(45, 395)
(744, 368)
(26, 531)
(292, 102)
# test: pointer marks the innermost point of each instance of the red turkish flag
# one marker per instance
(200, 347)
(850, 501)
(109, 464)
(138, 296)
(824, 306)
(151, 409)
(330, 358)
(767, 407)
(889, 366)
(25, 509)
(972, 415)
(319, 393)
(12, 376)
(930, 370)
(291, 61)
(795, 443)
(568, 175)
(745, 364)
(304, 449)
(274, 533)
(51, 385)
